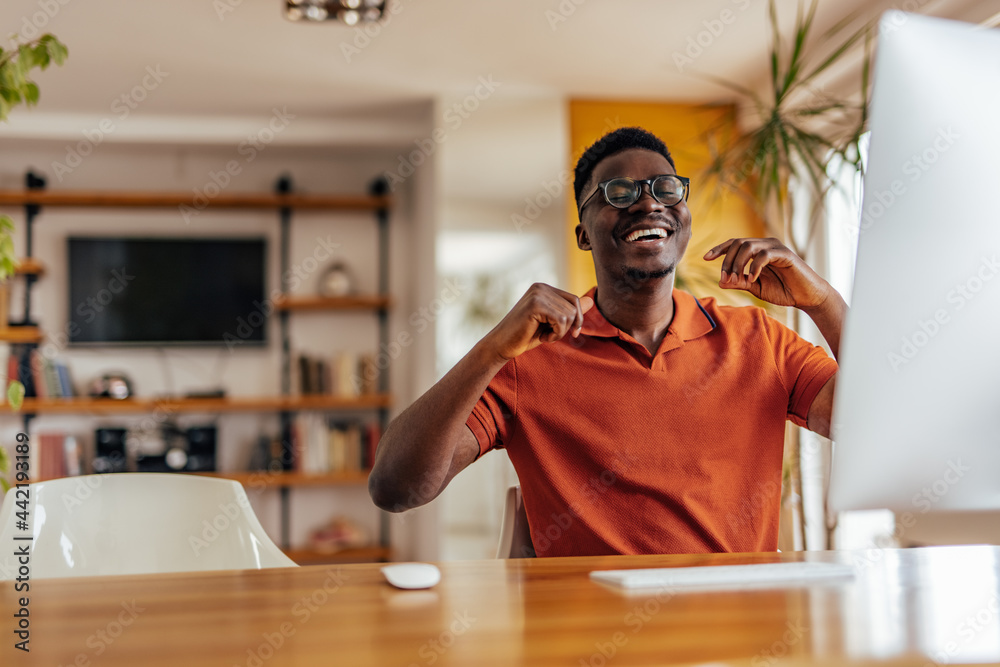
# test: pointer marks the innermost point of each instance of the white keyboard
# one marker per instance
(756, 575)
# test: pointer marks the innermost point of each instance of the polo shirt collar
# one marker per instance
(690, 319)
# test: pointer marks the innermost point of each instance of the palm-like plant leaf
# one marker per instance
(785, 146)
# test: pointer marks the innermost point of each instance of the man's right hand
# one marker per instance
(429, 442)
(543, 315)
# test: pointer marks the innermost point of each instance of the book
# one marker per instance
(373, 433)
(345, 374)
(51, 455)
(52, 386)
(13, 373)
(323, 445)
(305, 384)
(20, 355)
(36, 366)
(73, 455)
(367, 374)
(5, 360)
(352, 460)
(338, 452)
(65, 383)
(322, 372)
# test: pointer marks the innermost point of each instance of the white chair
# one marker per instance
(134, 523)
(515, 536)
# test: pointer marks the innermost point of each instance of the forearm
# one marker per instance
(829, 319)
(422, 448)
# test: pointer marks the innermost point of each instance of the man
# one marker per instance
(639, 418)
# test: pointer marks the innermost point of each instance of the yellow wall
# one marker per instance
(714, 218)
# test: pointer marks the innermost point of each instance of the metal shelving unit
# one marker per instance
(285, 202)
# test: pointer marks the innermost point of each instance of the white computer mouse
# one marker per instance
(412, 575)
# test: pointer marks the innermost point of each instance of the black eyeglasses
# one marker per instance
(622, 192)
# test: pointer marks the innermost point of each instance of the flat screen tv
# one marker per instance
(166, 291)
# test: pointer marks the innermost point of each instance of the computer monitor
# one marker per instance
(917, 410)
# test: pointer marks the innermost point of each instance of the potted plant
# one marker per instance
(16, 87)
(794, 133)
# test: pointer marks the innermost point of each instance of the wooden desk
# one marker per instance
(904, 606)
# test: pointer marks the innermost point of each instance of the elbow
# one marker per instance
(394, 493)
(385, 494)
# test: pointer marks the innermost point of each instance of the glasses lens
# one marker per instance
(621, 192)
(668, 189)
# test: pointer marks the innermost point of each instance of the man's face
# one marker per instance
(604, 228)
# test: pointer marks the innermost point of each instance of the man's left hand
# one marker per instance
(775, 273)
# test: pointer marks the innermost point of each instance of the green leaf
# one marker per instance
(866, 78)
(772, 11)
(15, 395)
(10, 95)
(840, 25)
(811, 161)
(784, 143)
(821, 109)
(57, 50)
(735, 87)
(26, 56)
(31, 93)
(834, 56)
(41, 56)
(802, 28)
(16, 65)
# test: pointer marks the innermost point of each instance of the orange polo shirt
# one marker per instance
(623, 452)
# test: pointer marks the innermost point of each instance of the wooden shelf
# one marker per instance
(107, 406)
(262, 479)
(333, 303)
(189, 202)
(231, 200)
(29, 266)
(21, 335)
(360, 555)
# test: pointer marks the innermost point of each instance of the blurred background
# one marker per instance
(475, 112)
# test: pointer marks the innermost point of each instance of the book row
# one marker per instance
(346, 374)
(42, 377)
(321, 444)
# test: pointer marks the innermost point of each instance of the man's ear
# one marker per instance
(582, 240)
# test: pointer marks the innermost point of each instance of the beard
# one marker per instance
(638, 277)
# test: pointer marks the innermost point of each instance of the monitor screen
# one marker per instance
(917, 410)
(153, 291)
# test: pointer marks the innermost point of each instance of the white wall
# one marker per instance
(242, 372)
(483, 234)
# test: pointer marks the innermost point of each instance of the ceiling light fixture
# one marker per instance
(349, 12)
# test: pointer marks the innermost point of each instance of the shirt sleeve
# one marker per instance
(803, 368)
(492, 418)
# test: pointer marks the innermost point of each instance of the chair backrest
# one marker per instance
(515, 536)
(134, 523)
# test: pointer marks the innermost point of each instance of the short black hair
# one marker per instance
(612, 143)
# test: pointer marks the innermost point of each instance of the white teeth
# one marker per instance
(646, 232)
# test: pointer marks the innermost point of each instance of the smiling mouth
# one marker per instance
(647, 235)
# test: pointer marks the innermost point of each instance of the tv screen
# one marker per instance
(152, 291)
